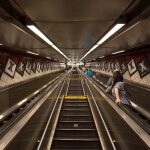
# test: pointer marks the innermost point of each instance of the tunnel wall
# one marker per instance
(135, 67)
(17, 67)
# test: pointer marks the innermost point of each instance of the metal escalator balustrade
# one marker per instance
(23, 134)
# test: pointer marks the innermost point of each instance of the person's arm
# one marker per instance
(108, 90)
(109, 83)
(116, 90)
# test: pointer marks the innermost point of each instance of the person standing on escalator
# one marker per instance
(118, 89)
(89, 73)
(110, 82)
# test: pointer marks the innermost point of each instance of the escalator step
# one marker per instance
(76, 100)
(76, 124)
(75, 118)
(92, 143)
(75, 93)
(74, 149)
(70, 107)
(76, 133)
(75, 104)
(75, 112)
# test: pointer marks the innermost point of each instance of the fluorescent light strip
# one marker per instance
(1, 44)
(1, 116)
(94, 47)
(42, 36)
(32, 53)
(39, 33)
(48, 57)
(118, 52)
(111, 32)
(102, 57)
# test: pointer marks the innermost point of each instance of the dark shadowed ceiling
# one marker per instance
(74, 26)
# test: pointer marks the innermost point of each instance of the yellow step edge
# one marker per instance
(75, 97)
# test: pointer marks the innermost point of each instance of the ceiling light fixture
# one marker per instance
(110, 33)
(42, 36)
(102, 57)
(32, 53)
(48, 57)
(39, 33)
(92, 49)
(104, 38)
(118, 52)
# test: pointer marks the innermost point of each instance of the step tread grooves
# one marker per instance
(76, 139)
(76, 121)
(75, 129)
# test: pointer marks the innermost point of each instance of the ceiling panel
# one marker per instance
(18, 39)
(75, 25)
(136, 36)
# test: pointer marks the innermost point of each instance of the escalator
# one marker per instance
(24, 131)
(75, 127)
(139, 115)
(80, 120)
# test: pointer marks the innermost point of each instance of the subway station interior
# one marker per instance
(48, 101)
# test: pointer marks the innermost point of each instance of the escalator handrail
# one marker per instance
(50, 117)
(103, 121)
(129, 112)
(16, 118)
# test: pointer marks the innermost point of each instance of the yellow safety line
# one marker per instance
(75, 97)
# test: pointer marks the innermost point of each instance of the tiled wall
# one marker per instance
(134, 67)
(15, 67)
